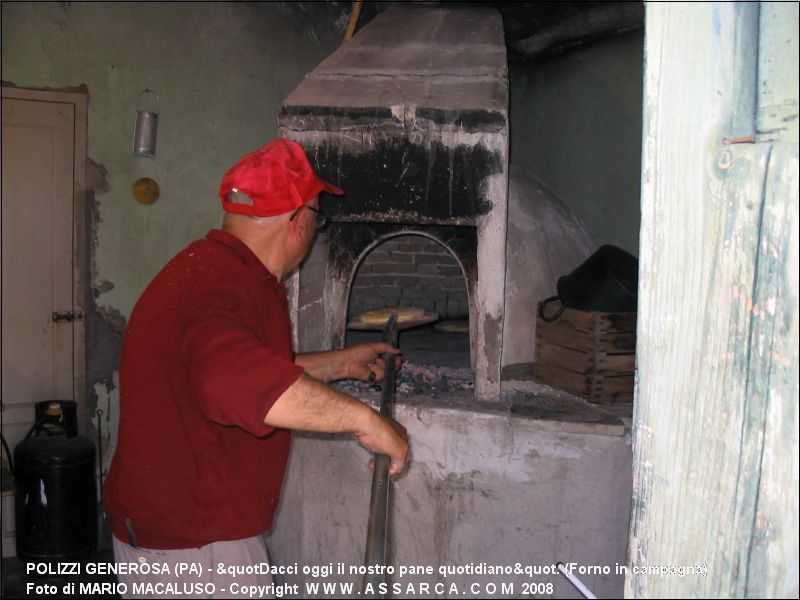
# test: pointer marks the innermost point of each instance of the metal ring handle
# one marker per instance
(557, 314)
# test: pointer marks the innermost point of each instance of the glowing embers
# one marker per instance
(421, 380)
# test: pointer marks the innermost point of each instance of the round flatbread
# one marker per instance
(453, 326)
(381, 316)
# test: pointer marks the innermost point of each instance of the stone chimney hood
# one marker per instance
(410, 118)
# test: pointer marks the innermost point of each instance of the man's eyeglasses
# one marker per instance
(322, 220)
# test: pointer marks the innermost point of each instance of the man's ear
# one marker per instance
(296, 225)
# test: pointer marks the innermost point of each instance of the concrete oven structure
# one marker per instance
(410, 118)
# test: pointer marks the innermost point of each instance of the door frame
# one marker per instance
(715, 422)
(80, 102)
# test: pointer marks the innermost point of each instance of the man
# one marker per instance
(210, 386)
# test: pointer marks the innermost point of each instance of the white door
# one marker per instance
(42, 335)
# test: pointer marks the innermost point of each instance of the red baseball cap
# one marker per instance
(277, 177)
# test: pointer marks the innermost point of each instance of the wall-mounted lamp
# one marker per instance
(146, 132)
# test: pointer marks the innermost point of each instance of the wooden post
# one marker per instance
(715, 474)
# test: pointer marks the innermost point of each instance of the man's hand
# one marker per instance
(309, 405)
(364, 361)
(389, 437)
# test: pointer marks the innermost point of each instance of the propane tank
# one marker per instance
(56, 500)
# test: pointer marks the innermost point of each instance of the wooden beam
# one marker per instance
(587, 24)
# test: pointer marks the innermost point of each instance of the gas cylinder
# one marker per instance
(56, 499)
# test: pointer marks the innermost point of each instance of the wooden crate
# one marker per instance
(591, 354)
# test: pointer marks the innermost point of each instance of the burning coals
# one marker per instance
(425, 380)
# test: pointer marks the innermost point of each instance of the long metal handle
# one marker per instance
(375, 554)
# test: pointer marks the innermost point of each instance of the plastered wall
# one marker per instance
(220, 69)
(484, 486)
(576, 126)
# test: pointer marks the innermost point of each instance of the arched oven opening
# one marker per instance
(415, 270)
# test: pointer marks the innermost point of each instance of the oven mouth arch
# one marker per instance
(431, 282)
(358, 263)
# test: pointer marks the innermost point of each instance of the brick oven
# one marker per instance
(410, 118)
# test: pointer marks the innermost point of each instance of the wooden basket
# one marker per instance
(591, 354)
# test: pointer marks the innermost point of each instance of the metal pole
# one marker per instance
(579, 585)
(375, 555)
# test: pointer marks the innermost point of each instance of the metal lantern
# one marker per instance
(146, 132)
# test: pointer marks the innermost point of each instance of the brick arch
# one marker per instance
(409, 269)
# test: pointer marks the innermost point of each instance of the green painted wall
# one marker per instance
(576, 125)
(221, 70)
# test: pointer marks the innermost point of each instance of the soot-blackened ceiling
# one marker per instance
(533, 29)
